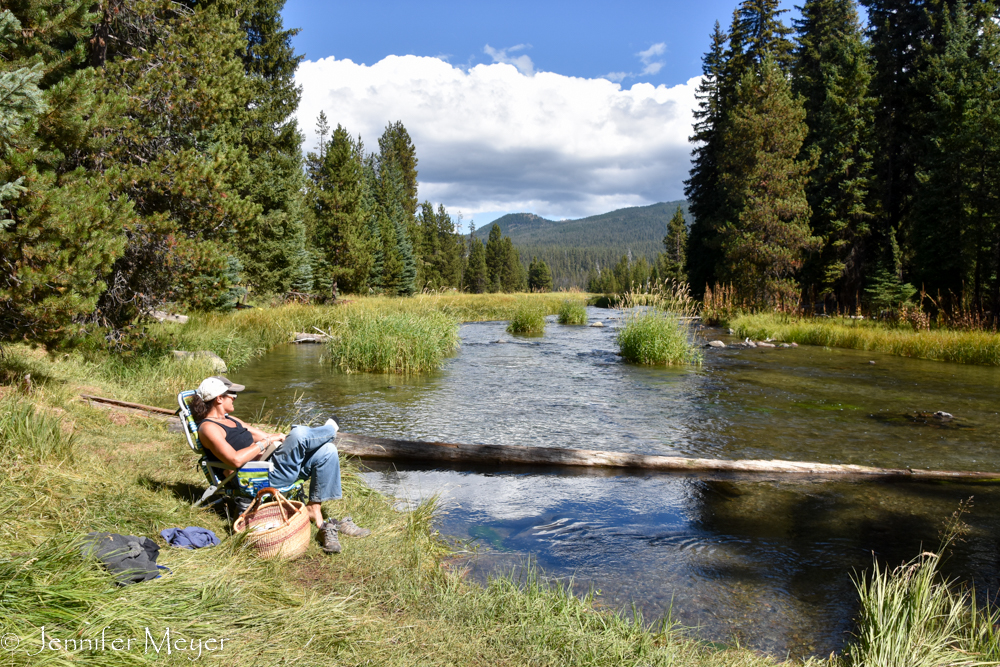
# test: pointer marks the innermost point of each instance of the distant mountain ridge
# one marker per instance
(572, 248)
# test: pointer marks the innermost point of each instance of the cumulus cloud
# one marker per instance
(493, 138)
(648, 58)
(522, 63)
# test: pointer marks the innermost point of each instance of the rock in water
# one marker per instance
(716, 343)
(597, 324)
(217, 363)
(941, 414)
(765, 344)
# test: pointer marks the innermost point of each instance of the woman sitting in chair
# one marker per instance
(305, 453)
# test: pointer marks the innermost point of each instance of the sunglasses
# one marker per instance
(232, 396)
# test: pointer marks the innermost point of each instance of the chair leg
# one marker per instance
(209, 492)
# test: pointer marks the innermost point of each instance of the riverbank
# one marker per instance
(965, 347)
(389, 599)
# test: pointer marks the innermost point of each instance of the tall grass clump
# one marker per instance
(529, 318)
(911, 616)
(572, 313)
(30, 433)
(370, 341)
(652, 337)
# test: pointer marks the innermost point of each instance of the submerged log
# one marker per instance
(365, 446)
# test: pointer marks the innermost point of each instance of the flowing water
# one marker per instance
(766, 561)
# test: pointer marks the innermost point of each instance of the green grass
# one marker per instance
(529, 318)
(392, 342)
(966, 347)
(654, 337)
(572, 313)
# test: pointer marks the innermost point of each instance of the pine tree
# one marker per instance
(395, 145)
(670, 264)
(832, 74)
(338, 230)
(451, 247)
(399, 269)
(476, 275)
(265, 129)
(539, 276)
(702, 189)
(513, 277)
(58, 220)
(954, 212)
(495, 260)
(763, 245)
(899, 34)
(178, 154)
(756, 34)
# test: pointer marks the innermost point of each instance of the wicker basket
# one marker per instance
(276, 529)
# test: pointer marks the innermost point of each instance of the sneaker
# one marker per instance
(332, 422)
(351, 529)
(328, 537)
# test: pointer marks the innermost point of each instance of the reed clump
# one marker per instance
(528, 319)
(653, 337)
(572, 313)
(373, 341)
(911, 616)
(966, 347)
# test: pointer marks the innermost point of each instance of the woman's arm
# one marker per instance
(214, 437)
(257, 434)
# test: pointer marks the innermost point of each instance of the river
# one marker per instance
(767, 562)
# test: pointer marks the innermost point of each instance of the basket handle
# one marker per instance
(282, 501)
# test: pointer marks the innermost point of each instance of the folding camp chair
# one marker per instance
(240, 486)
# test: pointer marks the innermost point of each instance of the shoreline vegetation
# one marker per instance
(965, 347)
(395, 599)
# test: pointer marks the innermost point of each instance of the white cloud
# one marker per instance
(495, 139)
(522, 63)
(652, 66)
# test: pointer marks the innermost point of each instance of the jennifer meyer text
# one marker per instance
(152, 642)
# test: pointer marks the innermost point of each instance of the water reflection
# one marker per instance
(768, 561)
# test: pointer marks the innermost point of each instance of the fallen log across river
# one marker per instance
(370, 447)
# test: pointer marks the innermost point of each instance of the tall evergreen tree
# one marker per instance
(57, 218)
(899, 32)
(763, 245)
(513, 277)
(399, 269)
(670, 264)
(339, 234)
(955, 207)
(832, 74)
(539, 276)
(273, 240)
(702, 188)
(476, 276)
(495, 260)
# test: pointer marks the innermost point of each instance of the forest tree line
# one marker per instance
(149, 155)
(846, 164)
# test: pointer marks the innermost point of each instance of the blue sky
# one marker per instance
(562, 109)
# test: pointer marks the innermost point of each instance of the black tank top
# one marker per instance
(237, 436)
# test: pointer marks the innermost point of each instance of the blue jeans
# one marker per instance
(309, 453)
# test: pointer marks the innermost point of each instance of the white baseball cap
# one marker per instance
(211, 388)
